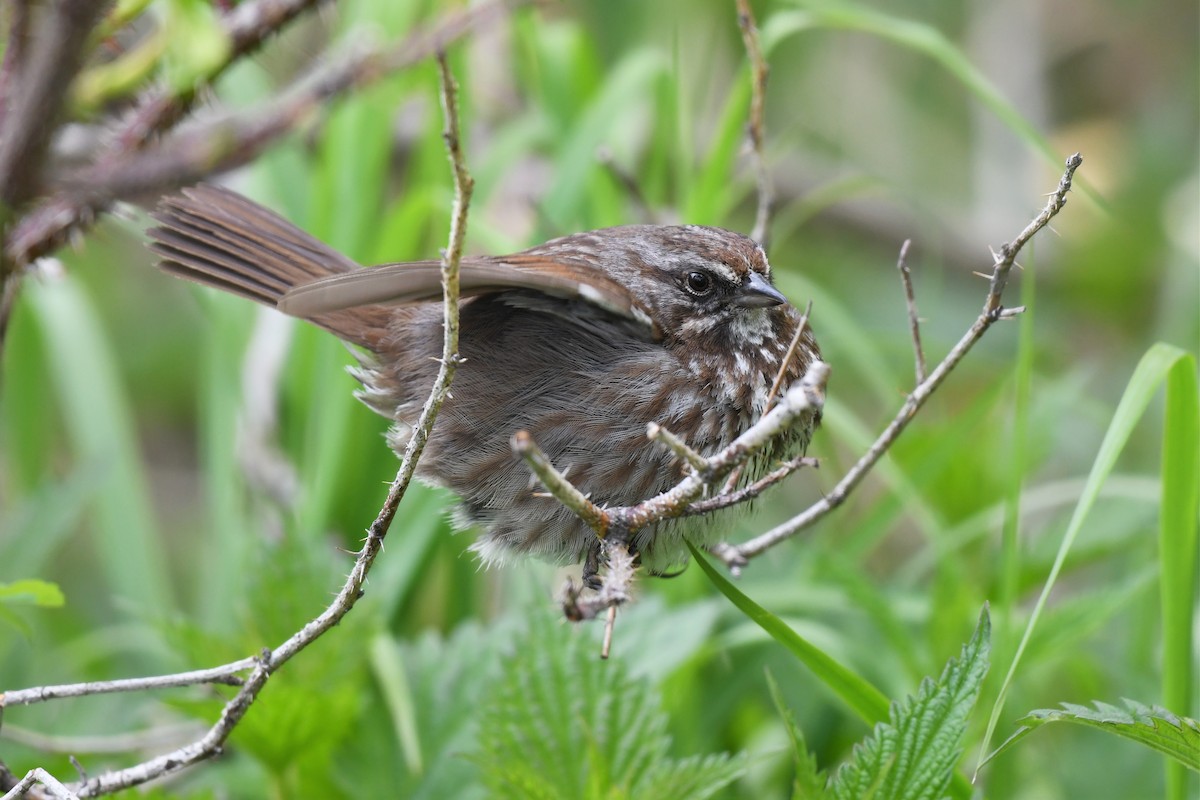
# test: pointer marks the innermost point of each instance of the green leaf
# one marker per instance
(920, 38)
(102, 428)
(198, 47)
(1159, 362)
(1179, 567)
(809, 783)
(864, 699)
(560, 722)
(1154, 726)
(912, 756)
(32, 592)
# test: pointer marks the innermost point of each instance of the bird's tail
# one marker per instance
(218, 238)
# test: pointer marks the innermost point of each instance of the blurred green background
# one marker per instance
(190, 470)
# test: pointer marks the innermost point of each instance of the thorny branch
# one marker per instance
(222, 144)
(262, 667)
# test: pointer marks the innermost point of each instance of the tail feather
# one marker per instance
(218, 238)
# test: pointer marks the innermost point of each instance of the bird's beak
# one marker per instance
(757, 293)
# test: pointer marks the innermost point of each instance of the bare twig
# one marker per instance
(224, 674)
(992, 311)
(219, 146)
(52, 786)
(736, 497)
(757, 124)
(557, 484)
(910, 299)
(266, 664)
(801, 326)
(246, 27)
(657, 433)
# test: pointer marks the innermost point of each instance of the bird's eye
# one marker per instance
(698, 283)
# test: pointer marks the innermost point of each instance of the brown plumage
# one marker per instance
(581, 341)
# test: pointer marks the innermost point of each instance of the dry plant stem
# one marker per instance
(47, 226)
(657, 433)
(806, 397)
(737, 555)
(52, 787)
(910, 299)
(212, 742)
(746, 493)
(224, 674)
(757, 123)
(557, 484)
(787, 358)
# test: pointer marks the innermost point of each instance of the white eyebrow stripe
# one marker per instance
(724, 272)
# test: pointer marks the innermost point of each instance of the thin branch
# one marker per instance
(801, 326)
(992, 311)
(557, 484)
(246, 27)
(53, 788)
(910, 299)
(746, 493)
(757, 123)
(657, 433)
(224, 674)
(265, 665)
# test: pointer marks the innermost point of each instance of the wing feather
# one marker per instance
(417, 281)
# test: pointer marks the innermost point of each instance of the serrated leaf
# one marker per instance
(1153, 726)
(912, 756)
(562, 723)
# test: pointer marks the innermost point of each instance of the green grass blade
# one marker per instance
(863, 698)
(102, 431)
(1177, 549)
(921, 38)
(1151, 371)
